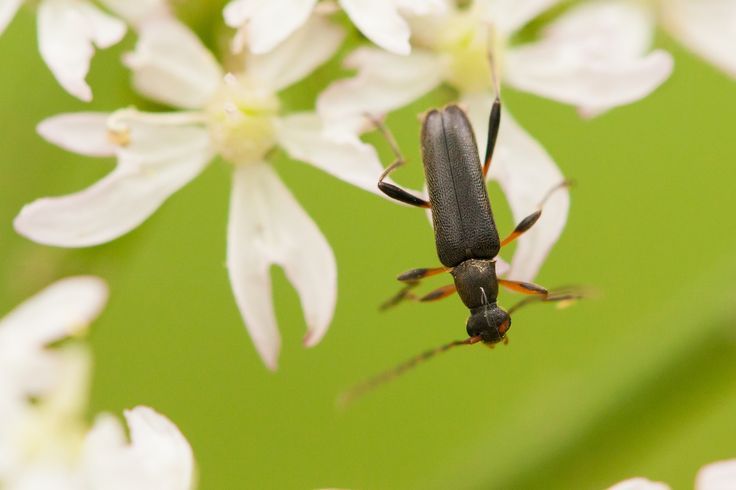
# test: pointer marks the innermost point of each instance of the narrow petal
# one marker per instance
(707, 27)
(158, 456)
(639, 484)
(171, 65)
(347, 158)
(381, 22)
(62, 309)
(139, 11)
(509, 16)
(592, 57)
(384, 82)
(80, 132)
(267, 226)
(717, 476)
(526, 174)
(158, 161)
(264, 21)
(297, 57)
(8, 8)
(66, 32)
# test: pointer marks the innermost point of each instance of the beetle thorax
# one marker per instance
(476, 282)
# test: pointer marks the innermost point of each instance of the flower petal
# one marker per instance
(348, 158)
(510, 15)
(264, 21)
(171, 65)
(382, 23)
(62, 309)
(157, 458)
(138, 11)
(639, 484)
(66, 31)
(592, 57)
(80, 132)
(384, 82)
(159, 160)
(8, 8)
(717, 476)
(526, 174)
(297, 57)
(267, 226)
(707, 27)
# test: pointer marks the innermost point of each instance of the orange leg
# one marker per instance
(439, 293)
(523, 287)
(494, 122)
(525, 224)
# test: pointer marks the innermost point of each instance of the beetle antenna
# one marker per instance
(492, 63)
(347, 397)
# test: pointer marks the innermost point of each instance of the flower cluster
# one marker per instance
(44, 375)
(594, 55)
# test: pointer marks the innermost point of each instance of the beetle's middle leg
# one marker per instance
(525, 224)
(412, 278)
(391, 190)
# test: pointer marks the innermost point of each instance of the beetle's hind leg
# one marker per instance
(391, 190)
(494, 122)
(526, 224)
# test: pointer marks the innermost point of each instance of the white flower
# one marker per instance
(237, 117)
(592, 57)
(263, 24)
(70, 30)
(707, 27)
(715, 476)
(44, 442)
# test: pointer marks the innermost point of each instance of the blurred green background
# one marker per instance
(637, 382)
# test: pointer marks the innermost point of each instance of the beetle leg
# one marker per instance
(391, 190)
(525, 224)
(494, 122)
(560, 296)
(523, 287)
(439, 293)
(411, 278)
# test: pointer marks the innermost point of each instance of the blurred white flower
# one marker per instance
(706, 27)
(594, 57)
(70, 30)
(44, 442)
(720, 475)
(262, 24)
(237, 117)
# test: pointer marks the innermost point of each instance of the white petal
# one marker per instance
(171, 65)
(381, 22)
(593, 57)
(267, 226)
(138, 11)
(423, 7)
(80, 132)
(267, 22)
(384, 82)
(8, 8)
(348, 158)
(510, 15)
(66, 31)
(717, 476)
(707, 27)
(159, 160)
(526, 174)
(304, 51)
(62, 309)
(639, 484)
(157, 458)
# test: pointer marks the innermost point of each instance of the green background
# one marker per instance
(639, 381)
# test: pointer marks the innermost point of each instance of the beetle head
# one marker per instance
(489, 322)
